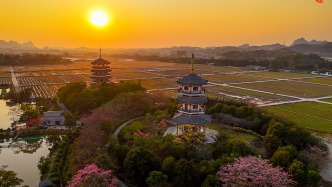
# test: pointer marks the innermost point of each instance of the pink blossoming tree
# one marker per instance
(254, 172)
(92, 175)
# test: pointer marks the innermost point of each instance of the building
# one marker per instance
(53, 118)
(100, 70)
(191, 95)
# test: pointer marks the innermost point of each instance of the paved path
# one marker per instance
(116, 132)
(14, 80)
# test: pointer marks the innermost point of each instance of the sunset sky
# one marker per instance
(164, 23)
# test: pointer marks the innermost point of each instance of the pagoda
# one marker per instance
(100, 70)
(191, 95)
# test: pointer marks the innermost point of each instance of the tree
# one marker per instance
(313, 178)
(138, 164)
(284, 156)
(157, 179)
(297, 169)
(92, 175)
(8, 178)
(274, 136)
(254, 171)
(191, 136)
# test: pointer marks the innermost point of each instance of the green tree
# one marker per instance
(284, 156)
(313, 178)
(297, 169)
(274, 136)
(157, 179)
(8, 178)
(138, 164)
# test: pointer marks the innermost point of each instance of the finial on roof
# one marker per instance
(192, 62)
(99, 52)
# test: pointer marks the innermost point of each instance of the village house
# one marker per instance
(53, 118)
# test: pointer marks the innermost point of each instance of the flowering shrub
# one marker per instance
(92, 175)
(253, 171)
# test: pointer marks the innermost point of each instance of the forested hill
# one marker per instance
(31, 59)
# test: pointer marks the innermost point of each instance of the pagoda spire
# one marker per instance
(192, 63)
(99, 52)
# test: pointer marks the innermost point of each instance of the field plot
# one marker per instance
(232, 78)
(219, 69)
(28, 81)
(132, 75)
(4, 69)
(40, 91)
(50, 79)
(328, 100)
(246, 95)
(319, 80)
(280, 75)
(311, 115)
(5, 80)
(297, 89)
(159, 83)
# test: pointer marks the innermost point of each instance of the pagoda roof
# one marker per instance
(100, 61)
(201, 119)
(194, 100)
(193, 79)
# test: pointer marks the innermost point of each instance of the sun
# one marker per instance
(99, 18)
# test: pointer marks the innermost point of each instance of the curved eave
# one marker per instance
(100, 61)
(194, 100)
(202, 119)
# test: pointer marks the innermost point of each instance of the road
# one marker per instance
(116, 132)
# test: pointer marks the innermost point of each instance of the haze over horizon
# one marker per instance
(154, 24)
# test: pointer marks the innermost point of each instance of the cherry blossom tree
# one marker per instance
(252, 172)
(92, 175)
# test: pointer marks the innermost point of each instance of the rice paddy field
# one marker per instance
(232, 78)
(246, 95)
(292, 88)
(259, 88)
(311, 115)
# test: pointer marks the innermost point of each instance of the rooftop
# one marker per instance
(192, 119)
(192, 79)
(100, 61)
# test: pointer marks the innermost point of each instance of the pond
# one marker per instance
(8, 114)
(23, 156)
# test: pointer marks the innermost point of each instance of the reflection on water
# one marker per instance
(22, 157)
(8, 114)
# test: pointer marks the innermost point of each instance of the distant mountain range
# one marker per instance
(301, 45)
(15, 45)
(304, 41)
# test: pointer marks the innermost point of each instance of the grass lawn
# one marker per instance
(244, 94)
(232, 78)
(132, 75)
(320, 80)
(328, 100)
(159, 83)
(311, 115)
(291, 88)
(280, 75)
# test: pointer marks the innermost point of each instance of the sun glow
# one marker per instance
(99, 18)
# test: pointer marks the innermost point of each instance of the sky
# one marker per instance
(164, 23)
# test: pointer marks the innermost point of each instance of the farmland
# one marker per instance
(294, 96)
(311, 115)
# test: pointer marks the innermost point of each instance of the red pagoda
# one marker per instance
(101, 71)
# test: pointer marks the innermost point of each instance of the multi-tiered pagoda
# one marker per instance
(100, 70)
(192, 97)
